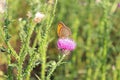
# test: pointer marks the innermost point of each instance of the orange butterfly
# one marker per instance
(63, 31)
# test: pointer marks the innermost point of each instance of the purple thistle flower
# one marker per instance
(119, 5)
(66, 44)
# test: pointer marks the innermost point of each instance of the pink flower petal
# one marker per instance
(66, 44)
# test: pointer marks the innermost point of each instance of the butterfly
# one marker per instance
(63, 31)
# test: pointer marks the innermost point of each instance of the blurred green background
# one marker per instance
(84, 17)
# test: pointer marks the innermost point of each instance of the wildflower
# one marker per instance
(66, 44)
(119, 5)
(20, 19)
(2, 6)
(98, 1)
(51, 1)
(29, 14)
(113, 67)
(38, 17)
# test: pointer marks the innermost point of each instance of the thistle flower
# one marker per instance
(113, 67)
(51, 1)
(66, 44)
(119, 5)
(38, 17)
(98, 1)
(29, 14)
(2, 6)
(20, 19)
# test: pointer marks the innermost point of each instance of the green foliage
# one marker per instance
(27, 28)
(94, 26)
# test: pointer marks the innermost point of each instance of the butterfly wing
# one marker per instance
(63, 31)
(59, 28)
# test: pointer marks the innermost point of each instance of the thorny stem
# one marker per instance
(44, 43)
(54, 67)
(43, 57)
(24, 52)
(105, 37)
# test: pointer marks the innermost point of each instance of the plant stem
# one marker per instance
(30, 66)
(23, 52)
(105, 36)
(10, 76)
(44, 42)
(13, 52)
(43, 57)
(54, 67)
(19, 75)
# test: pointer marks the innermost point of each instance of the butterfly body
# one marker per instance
(63, 31)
